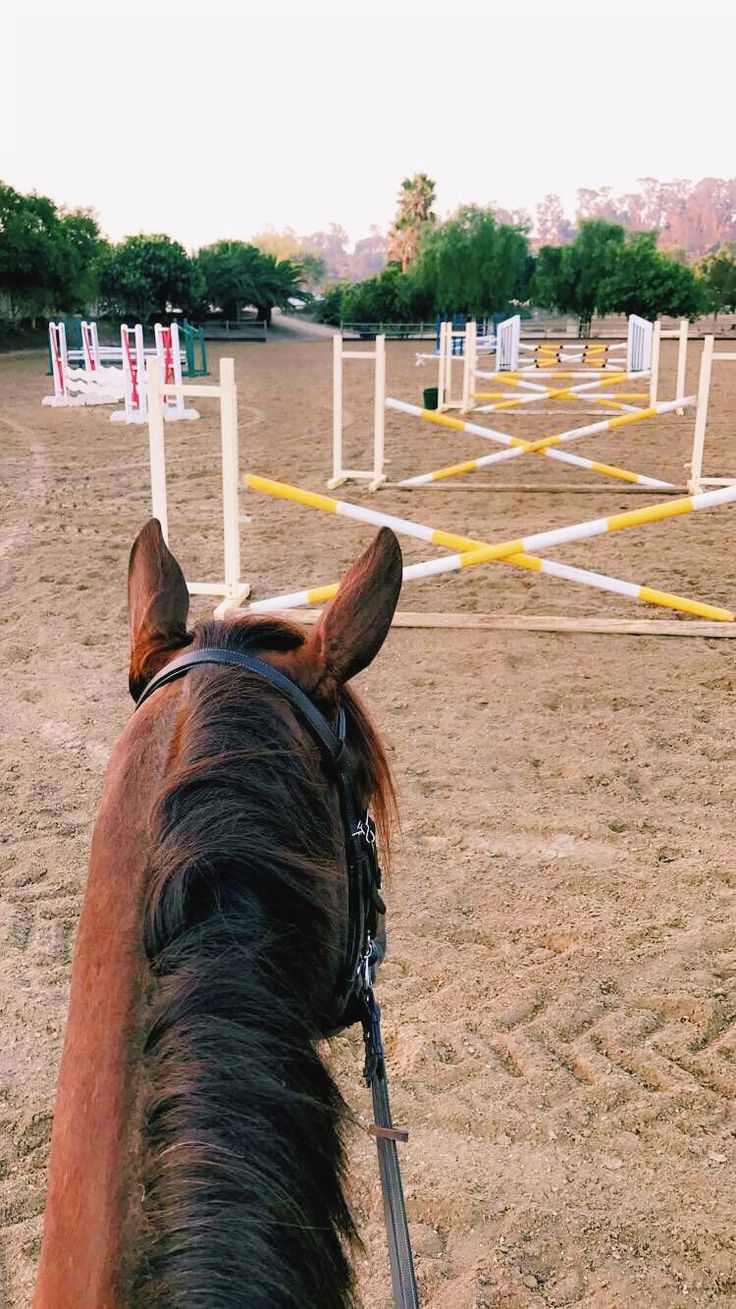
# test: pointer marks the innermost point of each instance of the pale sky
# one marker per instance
(214, 119)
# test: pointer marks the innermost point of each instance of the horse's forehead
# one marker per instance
(147, 745)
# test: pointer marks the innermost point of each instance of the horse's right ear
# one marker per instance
(353, 628)
(158, 605)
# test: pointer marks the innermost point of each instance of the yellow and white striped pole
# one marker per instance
(521, 557)
(613, 399)
(555, 374)
(517, 446)
(535, 393)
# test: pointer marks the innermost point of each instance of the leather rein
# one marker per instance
(365, 910)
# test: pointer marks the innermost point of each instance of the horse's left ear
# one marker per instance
(158, 605)
(356, 624)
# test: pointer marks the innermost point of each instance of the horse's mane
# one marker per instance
(243, 932)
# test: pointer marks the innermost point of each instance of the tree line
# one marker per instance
(478, 265)
(480, 262)
(693, 217)
(55, 261)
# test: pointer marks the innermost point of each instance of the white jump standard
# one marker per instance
(518, 359)
(514, 354)
(134, 377)
(168, 354)
(375, 476)
(232, 589)
(93, 385)
(100, 383)
(710, 355)
(623, 413)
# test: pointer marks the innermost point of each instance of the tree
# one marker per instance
(414, 214)
(597, 206)
(575, 278)
(328, 308)
(237, 275)
(331, 246)
(47, 258)
(718, 272)
(553, 228)
(605, 270)
(473, 265)
(149, 276)
(513, 217)
(26, 249)
(369, 255)
(81, 249)
(646, 282)
(692, 217)
(287, 245)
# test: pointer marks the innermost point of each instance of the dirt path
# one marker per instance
(560, 995)
(300, 329)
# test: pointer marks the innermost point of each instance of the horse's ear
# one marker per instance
(158, 604)
(356, 624)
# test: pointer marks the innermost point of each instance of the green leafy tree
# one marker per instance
(47, 258)
(328, 307)
(149, 276)
(414, 215)
(472, 264)
(81, 248)
(27, 250)
(237, 275)
(281, 283)
(391, 297)
(646, 282)
(718, 272)
(575, 278)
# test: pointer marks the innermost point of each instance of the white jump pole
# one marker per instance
(654, 370)
(59, 363)
(134, 376)
(235, 590)
(90, 347)
(379, 411)
(470, 362)
(681, 360)
(694, 484)
(157, 446)
(337, 477)
(444, 367)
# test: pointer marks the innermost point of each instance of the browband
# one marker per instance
(331, 741)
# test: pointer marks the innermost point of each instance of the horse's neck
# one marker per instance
(283, 1148)
(90, 1203)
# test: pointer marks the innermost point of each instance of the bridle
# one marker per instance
(365, 909)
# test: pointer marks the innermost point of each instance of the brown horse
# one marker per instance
(197, 1155)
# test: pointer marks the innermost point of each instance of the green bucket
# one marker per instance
(431, 397)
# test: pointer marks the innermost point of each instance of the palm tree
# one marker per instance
(415, 212)
(237, 274)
